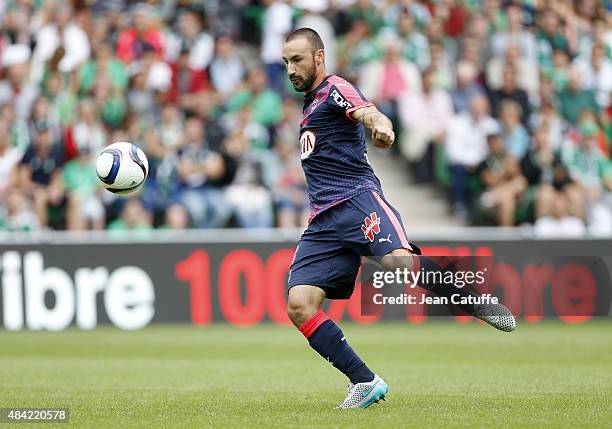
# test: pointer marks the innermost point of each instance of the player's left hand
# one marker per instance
(383, 137)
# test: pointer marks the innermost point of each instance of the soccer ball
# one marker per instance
(122, 167)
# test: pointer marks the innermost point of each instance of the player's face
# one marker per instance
(301, 63)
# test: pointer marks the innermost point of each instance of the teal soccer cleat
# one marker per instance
(362, 395)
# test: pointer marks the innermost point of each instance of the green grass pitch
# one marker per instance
(439, 374)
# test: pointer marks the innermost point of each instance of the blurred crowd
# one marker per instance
(503, 103)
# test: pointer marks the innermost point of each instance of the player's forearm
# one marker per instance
(371, 118)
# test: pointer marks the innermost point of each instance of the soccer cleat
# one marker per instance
(496, 315)
(362, 395)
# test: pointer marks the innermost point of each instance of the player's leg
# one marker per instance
(496, 315)
(324, 268)
(323, 335)
(382, 235)
(326, 338)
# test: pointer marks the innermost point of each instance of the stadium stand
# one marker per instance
(502, 107)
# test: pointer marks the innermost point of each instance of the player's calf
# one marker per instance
(323, 334)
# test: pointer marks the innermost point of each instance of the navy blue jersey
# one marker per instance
(333, 146)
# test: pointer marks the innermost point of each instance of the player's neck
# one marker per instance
(320, 78)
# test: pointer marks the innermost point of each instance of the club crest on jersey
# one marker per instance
(371, 226)
(307, 144)
(340, 101)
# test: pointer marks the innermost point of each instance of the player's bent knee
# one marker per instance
(303, 302)
(299, 311)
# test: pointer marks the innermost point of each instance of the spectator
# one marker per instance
(16, 88)
(290, 192)
(549, 179)
(19, 215)
(131, 42)
(385, 81)
(315, 17)
(104, 63)
(549, 119)
(546, 93)
(441, 65)
(18, 128)
(526, 71)
(515, 35)
(478, 35)
(158, 73)
(574, 99)
(355, 49)
(414, 46)
(549, 37)
(41, 112)
(510, 91)
(559, 72)
(171, 128)
(88, 132)
(466, 147)
(364, 10)
(134, 217)
(503, 181)
(40, 174)
(110, 102)
(513, 134)
(203, 173)
(226, 69)
(587, 126)
(9, 158)
(467, 88)
(250, 201)
(497, 19)
(192, 40)
(277, 20)
(62, 98)
(82, 186)
(436, 33)
(587, 166)
(471, 53)
(425, 117)
(140, 99)
(559, 224)
(15, 22)
(265, 104)
(63, 39)
(176, 218)
(188, 86)
(601, 212)
(597, 74)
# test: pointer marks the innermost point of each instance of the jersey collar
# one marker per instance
(308, 98)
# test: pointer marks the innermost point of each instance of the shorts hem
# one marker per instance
(329, 290)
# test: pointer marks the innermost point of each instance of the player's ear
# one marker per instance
(319, 57)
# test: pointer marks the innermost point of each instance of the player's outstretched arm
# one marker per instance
(381, 126)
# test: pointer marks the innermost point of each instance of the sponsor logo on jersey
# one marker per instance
(307, 144)
(340, 101)
(371, 226)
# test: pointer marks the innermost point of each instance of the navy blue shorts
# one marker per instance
(330, 250)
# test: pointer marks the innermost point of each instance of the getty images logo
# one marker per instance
(128, 295)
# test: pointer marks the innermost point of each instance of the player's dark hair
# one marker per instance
(308, 33)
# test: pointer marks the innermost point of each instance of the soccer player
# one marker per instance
(349, 216)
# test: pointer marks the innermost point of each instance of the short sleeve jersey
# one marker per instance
(333, 146)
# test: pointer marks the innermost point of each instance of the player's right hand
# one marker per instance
(383, 137)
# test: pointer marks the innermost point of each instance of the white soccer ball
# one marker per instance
(122, 167)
